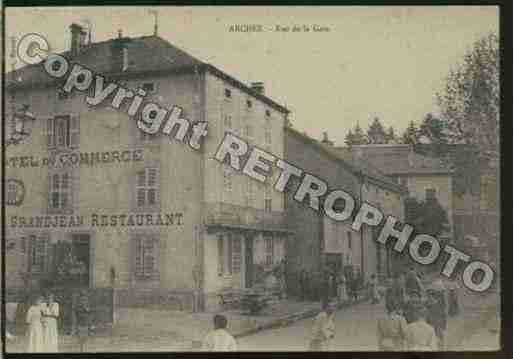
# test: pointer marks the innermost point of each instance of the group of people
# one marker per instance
(416, 317)
(42, 319)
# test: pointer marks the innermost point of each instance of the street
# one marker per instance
(356, 331)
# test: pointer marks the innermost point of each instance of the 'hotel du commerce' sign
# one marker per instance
(76, 159)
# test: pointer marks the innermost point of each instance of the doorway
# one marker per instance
(248, 260)
(80, 246)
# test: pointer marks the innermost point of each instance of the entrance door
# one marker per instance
(80, 249)
(248, 259)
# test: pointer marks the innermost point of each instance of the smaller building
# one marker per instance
(421, 175)
(320, 243)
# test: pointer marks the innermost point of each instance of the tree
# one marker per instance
(470, 100)
(434, 130)
(390, 136)
(376, 132)
(349, 140)
(411, 134)
(427, 217)
(356, 137)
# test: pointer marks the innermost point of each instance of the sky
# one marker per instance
(387, 61)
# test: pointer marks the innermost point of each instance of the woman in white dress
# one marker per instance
(50, 331)
(35, 335)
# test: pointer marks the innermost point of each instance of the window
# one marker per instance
(220, 255)
(146, 247)
(236, 255)
(60, 191)
(430, 193)
(349, 240)
(227, 93)
(63, 131)
(12, 193)
(268, 137)
(267, 200)
(227, 180)
(250, 193)
(269, 251)
(249, 104)
(268, 113)
(147, 187)
(38, 251)
(229, 250)
(248, 131)
(227, 121)
(149, 87)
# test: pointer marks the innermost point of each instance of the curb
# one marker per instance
(289, 319)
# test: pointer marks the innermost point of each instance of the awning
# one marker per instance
(213, 227)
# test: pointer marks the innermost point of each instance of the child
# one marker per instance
(35, 336)
(420, 336)
(392, 328)
(219, 340)
(323, 329)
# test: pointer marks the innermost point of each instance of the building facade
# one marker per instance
(422, 176)
(161, 222)
(320, 243)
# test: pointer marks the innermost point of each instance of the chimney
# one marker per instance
(325, 139)
(78, 38)
(258, 87)
(120, 53)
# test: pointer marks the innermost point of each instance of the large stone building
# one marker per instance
(161, 222)
(319, 241)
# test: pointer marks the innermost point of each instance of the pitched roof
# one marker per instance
(357, 168)
(396, 159)
(147, 55)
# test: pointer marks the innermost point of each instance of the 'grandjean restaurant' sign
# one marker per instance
(97, 220)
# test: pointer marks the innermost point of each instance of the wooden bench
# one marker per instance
(230, 299)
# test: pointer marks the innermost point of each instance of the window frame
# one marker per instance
(59, 191)
(141, 242)
(269, 252)
(146, 187)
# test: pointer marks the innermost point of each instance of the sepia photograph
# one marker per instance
(251, 179)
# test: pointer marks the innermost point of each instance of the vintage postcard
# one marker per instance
(183, 179)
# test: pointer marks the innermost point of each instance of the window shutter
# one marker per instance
(138, 256)
(50, 133)
(154, 184)
(74, 131)
(149, 256)
(220, 255)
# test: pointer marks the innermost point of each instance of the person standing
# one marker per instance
(50, 314)
(83, 316)
(373, 289)
(410, 306)
(35, 335)
(219, 340)
(413, 284)
(341, 287)
(437, 315)
(420, 336)
(392, 329)
(323, 329)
